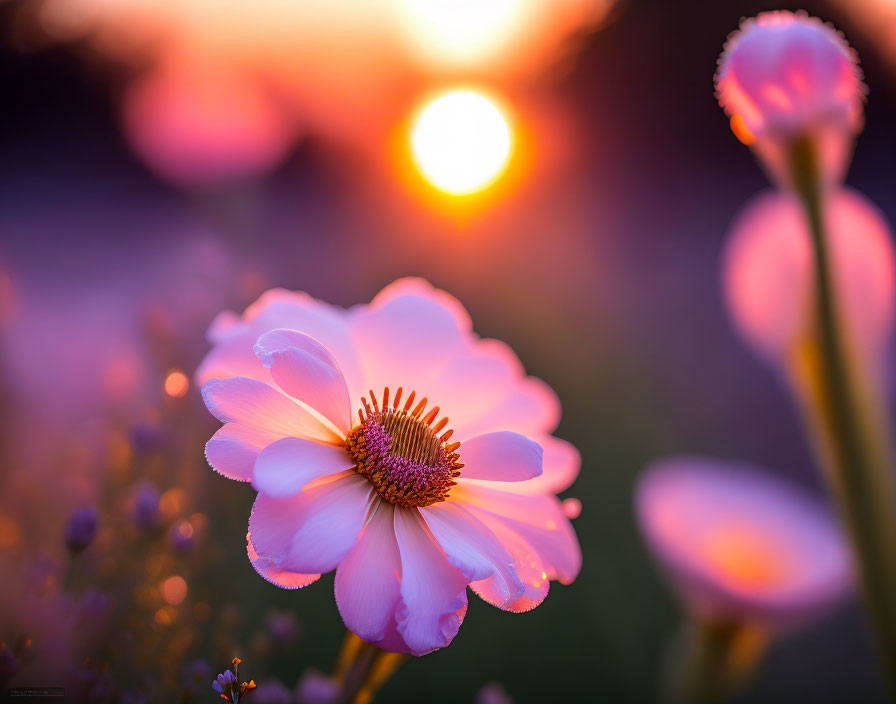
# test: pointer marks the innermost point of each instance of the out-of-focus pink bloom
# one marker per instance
(767, 271)
(340, 421)
(200, 123)
(493, 693)
(740, 544)
(785, 75)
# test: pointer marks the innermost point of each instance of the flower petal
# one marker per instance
(530, 408)
(528, 566)
(472, 547)
(432, 590)
(287, 465)
(268, 569)
(233, 449)
(539, 520)
(307, 371)
(502, 456)
(232, 357)
(313, 530)
(257, 405)
(324, 322)
(560, 464)
(369, 577)
(406, 340)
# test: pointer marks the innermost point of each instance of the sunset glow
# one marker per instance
(461, 142)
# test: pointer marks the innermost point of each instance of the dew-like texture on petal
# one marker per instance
(768, 273)
(502, 456)
(737, 542)
(539, 520)
(257, 405)
(472, 547)
(312, 531)
(232, 450)
(306, 370)
(785, 72)
(527, 565)
(284, 467)
(432, 589)
(369, 577)
(278, 576)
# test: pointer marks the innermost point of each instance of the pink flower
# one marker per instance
(768, 279)
(198, 123)
(740, 544)
(785, 75)
(339, 418)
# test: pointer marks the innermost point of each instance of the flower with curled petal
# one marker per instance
(340, 420)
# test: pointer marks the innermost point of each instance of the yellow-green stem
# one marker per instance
(713, 660)
(849, 425)
(362, 669)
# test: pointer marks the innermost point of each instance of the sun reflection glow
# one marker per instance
(461, 142)
(459, 31)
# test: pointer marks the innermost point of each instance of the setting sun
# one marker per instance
(461, 142)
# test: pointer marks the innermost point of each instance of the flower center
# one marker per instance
(401, 453)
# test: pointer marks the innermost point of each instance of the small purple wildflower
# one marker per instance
(223, 683)
(80, 529)
(315, 687)
(146, 505)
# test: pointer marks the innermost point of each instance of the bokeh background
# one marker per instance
(596, 258)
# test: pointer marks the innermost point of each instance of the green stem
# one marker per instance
(713, 660)
(849, 423)
(362, 668)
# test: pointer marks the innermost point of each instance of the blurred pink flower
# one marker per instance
(785, 75)
(740, 544)
(768, 274)
(202, 123)
(407, 511)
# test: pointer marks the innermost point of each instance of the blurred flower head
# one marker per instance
(739, 544)
(282, 627)
(202, 123)
(407, 506)
(767, 270)
(314, 687)
(783, 76)
(272, 691)
(493, 693)
(80, 529)
(146, 505)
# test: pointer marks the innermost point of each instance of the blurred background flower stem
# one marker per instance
(362, 669)
(848, 422)
(713, 659)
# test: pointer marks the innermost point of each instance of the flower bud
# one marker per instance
(785, 76)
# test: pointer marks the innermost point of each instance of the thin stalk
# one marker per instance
(713, 660)
(362, 669)
(849, 423)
